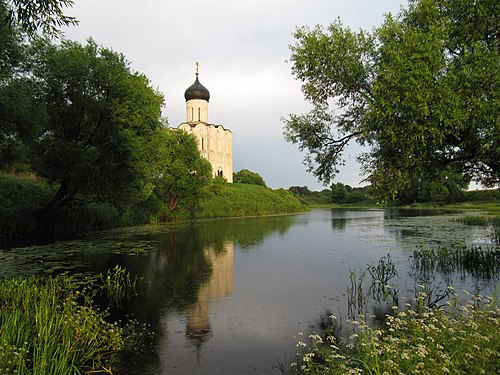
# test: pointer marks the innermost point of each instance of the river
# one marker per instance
(230, 296)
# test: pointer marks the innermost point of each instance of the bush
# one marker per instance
(248, 177)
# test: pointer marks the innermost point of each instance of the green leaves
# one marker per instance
(98, 138)
(421, 90)
(181, 172)
(245, 176)
(38, 15)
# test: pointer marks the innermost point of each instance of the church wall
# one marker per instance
(215, 144)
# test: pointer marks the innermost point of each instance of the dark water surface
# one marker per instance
(230, 296)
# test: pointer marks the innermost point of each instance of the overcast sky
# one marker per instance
(242, 48)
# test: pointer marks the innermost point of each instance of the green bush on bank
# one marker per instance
(230, 200)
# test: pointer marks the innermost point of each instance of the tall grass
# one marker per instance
(50, 326)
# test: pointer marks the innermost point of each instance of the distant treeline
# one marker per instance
(340, 193)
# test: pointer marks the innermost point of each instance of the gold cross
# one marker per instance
(197, 65)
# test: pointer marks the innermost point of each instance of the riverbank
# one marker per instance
(22, 197)
(239, 200)
(439, 332)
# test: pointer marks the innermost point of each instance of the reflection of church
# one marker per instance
(220, 285)
(214, 141)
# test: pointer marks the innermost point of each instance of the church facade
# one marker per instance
(214, 141)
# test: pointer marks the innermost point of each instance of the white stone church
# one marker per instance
(214, 141)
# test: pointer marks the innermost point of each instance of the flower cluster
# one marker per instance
(457, 339)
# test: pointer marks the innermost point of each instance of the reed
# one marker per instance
(378, 287)
(477, 261)
(118, 285)
(357, 299)
(49, 326)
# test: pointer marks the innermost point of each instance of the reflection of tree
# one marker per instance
(248, 231)
(339, 224)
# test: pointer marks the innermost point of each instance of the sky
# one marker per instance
(242, 48)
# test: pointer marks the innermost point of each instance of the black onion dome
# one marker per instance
(197, 91)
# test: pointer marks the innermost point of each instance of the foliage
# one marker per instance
(31, 16)
(442, 186)
(233, 200)
(461, 339)
(421, 90)
(346, 194)
(308, 197)
(51, 327)
(97, 138)
(21, 198)
(183, 173)
(339, 193)
(483, 195)
(245, 176)
(26, 189)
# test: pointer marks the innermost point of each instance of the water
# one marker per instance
(230, 296)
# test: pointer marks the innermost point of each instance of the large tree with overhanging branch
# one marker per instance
(97, 137)
(421, 90)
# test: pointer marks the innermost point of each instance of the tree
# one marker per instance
(339, 192)
(245, 176)
(19, 114)
(421, 90)
(30, 16)
(97, 140)
(300, 190)
(183, 172)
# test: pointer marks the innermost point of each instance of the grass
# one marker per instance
(23, 191)
(22, 196)
(236, 200)
(51, 326)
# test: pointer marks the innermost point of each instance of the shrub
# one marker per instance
(248, 177)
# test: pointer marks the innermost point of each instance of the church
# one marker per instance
(214, 141)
